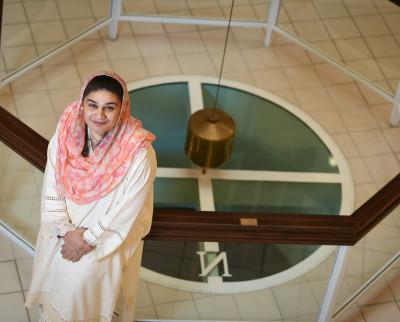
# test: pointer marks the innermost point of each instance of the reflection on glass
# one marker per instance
(176, 193)
(165, 110)
(267, 136)
(277, 197)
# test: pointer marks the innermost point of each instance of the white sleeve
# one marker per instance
(133, 212)
(55, 220)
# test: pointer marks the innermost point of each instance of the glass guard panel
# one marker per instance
(32, 28)
(20, 190)
(278, 197)
(165, 111)
(268, 137)
(245, 282)
(361, 35)
(365, 270)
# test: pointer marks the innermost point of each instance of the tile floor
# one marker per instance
(364, 34)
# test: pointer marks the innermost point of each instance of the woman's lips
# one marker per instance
(98, 123)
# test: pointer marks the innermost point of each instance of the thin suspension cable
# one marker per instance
(223, 55)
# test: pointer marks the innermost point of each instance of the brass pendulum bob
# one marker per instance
(209, 137)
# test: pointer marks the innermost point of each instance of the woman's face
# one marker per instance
(101, 109)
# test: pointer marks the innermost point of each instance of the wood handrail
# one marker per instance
(170, 224)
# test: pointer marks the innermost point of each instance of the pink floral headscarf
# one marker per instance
(85, 179)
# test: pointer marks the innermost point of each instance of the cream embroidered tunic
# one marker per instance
(88, 290)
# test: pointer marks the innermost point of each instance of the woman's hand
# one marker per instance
(74, 246)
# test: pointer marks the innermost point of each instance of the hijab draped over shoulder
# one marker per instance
(86, 179)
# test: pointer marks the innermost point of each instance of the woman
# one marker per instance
(97, 205)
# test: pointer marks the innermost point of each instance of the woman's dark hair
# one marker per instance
(104, 82)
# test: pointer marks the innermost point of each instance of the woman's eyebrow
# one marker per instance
(108, 103)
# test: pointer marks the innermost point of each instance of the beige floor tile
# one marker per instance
(329, 49)
(9, 278)
(346, 96)
(180, 27)
(30, 82)
(5, 249)
(122, 48)
(352, 314)
(278, 39)
(311, 30)
(61, 77)
(147, 312)
(18, 184)
(200, 64)
(186, 42)
(392, 278)
(170, 5)
(260, 58)
(346, 144)
(7, 102)
(130, 69)
(302, 76)
(144, 29)
(155, 45)
(16, 57)
(45, 32)
(329, 120)
(382, 167)
(378, 292)
(45, 125)
(314, 98)
(198, 4)
(165, 65)
(371, 25)
(143, 296)
(87, 69)
(233, 61)
(371, 97)
(61, 98)
(72, 9)
(177, 311)
(383, 46)
(364, 191)
(63, 58)
(161, 294)
(359, 171)
(41, 11)
(100, 8)
(393, 137)
(16, 35)
(368, 68)
(248, 38)
(331, 76)
(355, 48)
(360, 7)
(291, 55)
(139, 6)
(392, 20)
(217, 308)
(342, 28)
(76, 26)
(88, 51)
(240, 12)
(331, 9)
(244, 77)
(15, 301)
(214, 40)
(390, 67)
(287, 95)
(33, 104)
(295, 300)
(356, 119)
(374, 313)
(371, 142)
(271, 79)
(257, 306)
(13, 13)
(300, 10)
(25, 272)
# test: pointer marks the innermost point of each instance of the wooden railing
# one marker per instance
(169, 224)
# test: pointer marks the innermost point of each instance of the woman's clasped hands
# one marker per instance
(74, 246)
